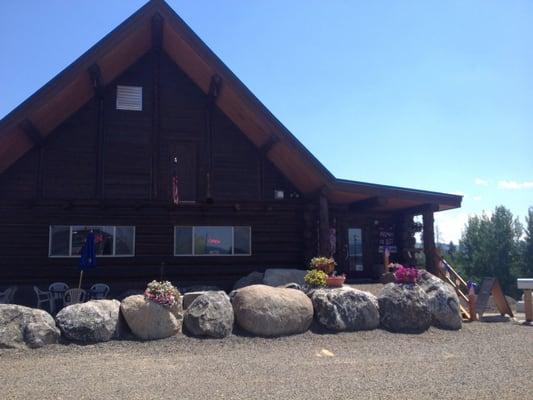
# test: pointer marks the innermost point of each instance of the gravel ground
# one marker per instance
(482, 361)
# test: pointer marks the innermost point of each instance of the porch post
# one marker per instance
(323, 211)
(429, 241)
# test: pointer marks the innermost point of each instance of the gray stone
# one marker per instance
(253, 278)
(292, 286)
(269, 311)
(210, 314)
(23, 327)
(93, 321)
(149, 320)
(443, 302)
(403, 307)
(345, 309)
(189, 297)
(282, 276)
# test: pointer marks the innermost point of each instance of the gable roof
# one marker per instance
(71, 88)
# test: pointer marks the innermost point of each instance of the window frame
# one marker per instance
(70, 255)
(193, 228)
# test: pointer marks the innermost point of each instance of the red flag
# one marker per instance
(175, 193)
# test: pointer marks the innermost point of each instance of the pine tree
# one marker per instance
(527, 259)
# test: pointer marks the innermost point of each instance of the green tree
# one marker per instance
(490, 246)
(527, 259)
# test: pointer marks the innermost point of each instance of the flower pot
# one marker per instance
(327, 268)
(335, 281)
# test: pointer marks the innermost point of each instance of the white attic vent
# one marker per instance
(130, 98)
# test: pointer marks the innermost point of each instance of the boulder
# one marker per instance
(253, 278)
(189, 297)
(269, 311)
(345, 309)
(403, 307)
(282, 276)
(23, 327)
(210, 314)
(149, 320)
(443, 302)
(93, 321)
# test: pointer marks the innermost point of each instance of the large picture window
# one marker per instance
(212, 241)
(110, 241)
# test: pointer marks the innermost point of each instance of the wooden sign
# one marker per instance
(491, 286)
(386, 240)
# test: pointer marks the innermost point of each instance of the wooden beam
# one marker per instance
(157, 30)
(421, 209)
(269, 144)
(99, 93)
(212, 95)
(96, 80)
(368, 204)
(323, 212)
(428, 235)
(32, 132)
(157, 40)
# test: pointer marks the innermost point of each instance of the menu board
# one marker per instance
(386, 239)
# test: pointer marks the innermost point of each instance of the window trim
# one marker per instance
(98, 255)
(193, 227)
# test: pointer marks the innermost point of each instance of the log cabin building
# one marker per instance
(150, 117)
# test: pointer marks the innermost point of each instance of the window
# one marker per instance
(110, 241)
(130, 98)
(355, 249)
(212, 241)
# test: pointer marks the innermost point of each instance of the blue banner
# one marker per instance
(88, 253)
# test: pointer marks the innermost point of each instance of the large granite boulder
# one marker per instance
(443, 302)
(403, 307)
(282, 276)
(93, 321)
(149, 320)
(345, 309)
(210, 314)
(23, 327)
(269, 311)
(253, 278)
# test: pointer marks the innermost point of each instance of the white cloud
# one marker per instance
(481, 182)
(513, 185)
(450, 225)
(476, 198)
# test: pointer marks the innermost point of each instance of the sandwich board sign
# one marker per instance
(492, 286)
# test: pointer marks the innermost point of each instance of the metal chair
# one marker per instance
(6, 297)
(57, 292)
(42, 297)
(99, 291)
(74, 296)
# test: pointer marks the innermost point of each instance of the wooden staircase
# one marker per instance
(458, 283)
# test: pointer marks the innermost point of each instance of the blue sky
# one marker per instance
(429, 95)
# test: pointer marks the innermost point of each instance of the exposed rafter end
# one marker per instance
(32, 132)
(157, 30)
(368, 204)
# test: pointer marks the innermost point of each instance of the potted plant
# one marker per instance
(316, 278)
(335, 280)
(325, 265)
(405, 274)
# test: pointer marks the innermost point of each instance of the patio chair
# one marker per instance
(57, 292)
(42, 297)
(99, 291)
(6, 297)
(74, 296)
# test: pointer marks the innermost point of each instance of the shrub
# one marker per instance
(316, 278)
(162, 292)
